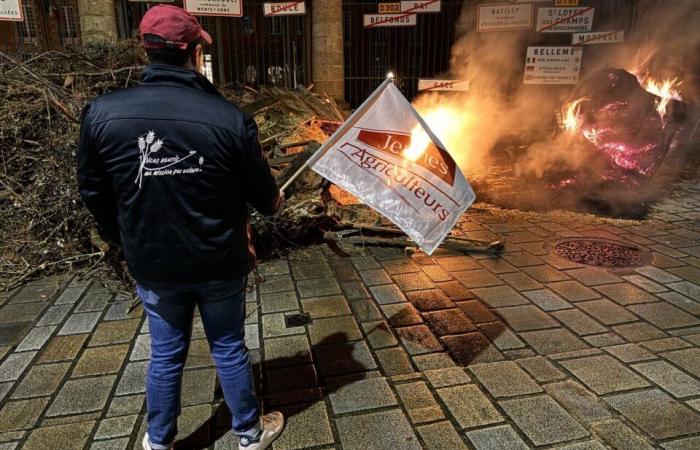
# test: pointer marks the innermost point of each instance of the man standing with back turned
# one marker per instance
(167, 168)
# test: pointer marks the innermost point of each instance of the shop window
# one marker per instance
(27, 29)
(69, 24)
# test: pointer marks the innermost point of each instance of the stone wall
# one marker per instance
(98, 21)
(327, 48)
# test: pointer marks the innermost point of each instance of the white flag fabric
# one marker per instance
(386, 155)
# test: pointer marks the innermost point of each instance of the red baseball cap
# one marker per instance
(172, 27)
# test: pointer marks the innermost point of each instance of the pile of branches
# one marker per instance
(44, 228)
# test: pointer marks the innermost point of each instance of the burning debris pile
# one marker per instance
(44, 227)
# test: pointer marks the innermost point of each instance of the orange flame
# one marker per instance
(444, 122)
(666, 90)
(571, 119)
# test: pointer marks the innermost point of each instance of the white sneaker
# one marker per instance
(147, 444)
(272, 425)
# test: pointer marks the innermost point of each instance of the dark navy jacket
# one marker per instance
(167, 169)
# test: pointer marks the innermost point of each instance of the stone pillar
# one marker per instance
(327, 48)
(98, 21)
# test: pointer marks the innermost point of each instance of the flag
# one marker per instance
(386, 155)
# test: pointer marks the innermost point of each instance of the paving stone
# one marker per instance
(688, 359)
(31, 293)
(471, 348)
(449, 321)
(81, 396)
(277, 284)
(21, 415)
(400, 265)
(94, 302)
(658, 275)
(676, 382)
(402, 314)
(111, 444)
(290, 379)
(35, 339)
(558, 340)
(14, 365)
(334, 305)
(24, 312)
(12, 333)
(354, 290)
(273, 325)
(279, 301)
(71, 436)
(418, 339)
(547, 300)
(365, 310)
(666, 344)
(604, 374)
(620, 436)
(370, 431)
(362, 395)
(521, 281)
(199, 354)
(142, 348)
(522, 259)
(480, 278)
(686, 288)
(101, 360)
(689, 273)
(682, 302)
(287, 351)
(419, 402)
(448, 376)
(477, 312)
(114, 332)
(62, 348)
(502, 437)
(498, 265)
(579, 322)
(5, 388)
(588, 445)
(133, 379)
(603, 340)
(41, 380)
(664, 316)
(575, 354)
(626, 294)
(656, 413)
(692, 443)
(543, 420)
(440, 436)
(413, 281)
(375, 277)
(115, 427)
(629, 353)
(645, 283)
(80, 323)
(579, 401)
(276, 267)
(497, 297)
(309, 427)
(54, 315)
(433, 361)
(541, 369)
(394, 361)
(504, 379)
(387, 294)
(344, 270)
(525, 318)
(307, 271)
(545, 273)
(457, 263)
(573, 291)
(501, 336)
(606, 312)
(436, 273)
(641, 331)
(365, 262)
(469, 406)
(379, 334)
(334, 329)
(455, 291)
(430, 300)
(337, 359)
(126, 405)
(591, 276)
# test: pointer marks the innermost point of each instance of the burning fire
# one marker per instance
(666, 90)
(445, 122)
(571, 118)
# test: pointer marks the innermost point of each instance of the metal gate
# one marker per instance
(253, 50)
(412, 52)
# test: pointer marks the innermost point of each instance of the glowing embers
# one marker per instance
(601, 253)
(665, 90)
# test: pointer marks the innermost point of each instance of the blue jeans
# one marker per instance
(170, 312)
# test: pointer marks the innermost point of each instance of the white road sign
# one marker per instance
(390, 20)
(284, 9)
(598, 37)
(504, 16)
(424, 6)
(442, 85)
(11, 10)
(552, 65)
(564, 20)
(229, 8)
(389, 8)
(386, 155)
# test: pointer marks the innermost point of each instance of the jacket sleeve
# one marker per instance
(94, 182)
(259, 184)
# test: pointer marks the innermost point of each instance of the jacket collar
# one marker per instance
(178, 76)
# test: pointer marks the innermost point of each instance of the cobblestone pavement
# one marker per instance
(452, 351)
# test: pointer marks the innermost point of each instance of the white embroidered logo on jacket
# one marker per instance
(153, 166)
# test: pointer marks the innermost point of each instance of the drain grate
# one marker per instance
(601, 253)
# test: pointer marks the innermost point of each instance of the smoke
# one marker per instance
(500, 114)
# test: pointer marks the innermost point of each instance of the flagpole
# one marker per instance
(339, 132)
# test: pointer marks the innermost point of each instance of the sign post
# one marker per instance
(504, 17)
(442, 85)
(552, 65)
(598, 37)
(284, 9)
(11, 10)
(228, 8)
(564, 20)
